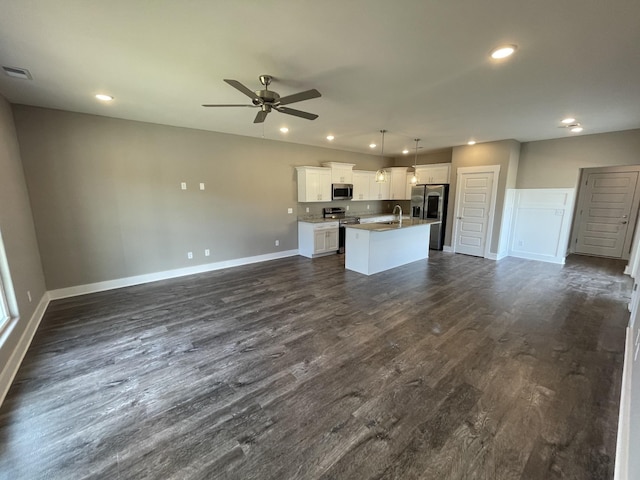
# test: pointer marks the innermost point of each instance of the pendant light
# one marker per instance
(381, 174)
(414, 179)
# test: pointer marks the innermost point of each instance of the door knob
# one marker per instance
(624, 222)
(459, 218)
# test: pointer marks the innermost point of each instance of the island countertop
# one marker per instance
(395, 225)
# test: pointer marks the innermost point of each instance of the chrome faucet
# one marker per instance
(399, 216)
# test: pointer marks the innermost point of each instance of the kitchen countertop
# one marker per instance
(384, 227)
(364, 216)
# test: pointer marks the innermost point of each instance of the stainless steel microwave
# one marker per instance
(341, 191)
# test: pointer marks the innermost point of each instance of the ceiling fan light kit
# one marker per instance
(268, 100)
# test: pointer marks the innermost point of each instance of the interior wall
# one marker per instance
(107, 199)
(18, 234)
(427, 158)
(504, 153)
(556, 163)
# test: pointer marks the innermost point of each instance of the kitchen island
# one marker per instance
(376, 247)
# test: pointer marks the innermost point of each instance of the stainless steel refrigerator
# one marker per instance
(429, 202)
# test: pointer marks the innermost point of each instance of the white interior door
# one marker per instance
(475, 199)
(606, 202)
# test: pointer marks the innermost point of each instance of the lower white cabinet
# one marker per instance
(317, 239)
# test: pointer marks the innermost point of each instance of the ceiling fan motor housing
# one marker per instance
(267, 96)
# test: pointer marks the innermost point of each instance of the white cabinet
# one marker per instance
(340, 172)
(317, 239)
(314, 184)
(362, 184)
(434, 173)
(378, 191)
(397, 179)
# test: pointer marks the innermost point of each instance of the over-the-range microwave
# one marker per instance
(341, 191)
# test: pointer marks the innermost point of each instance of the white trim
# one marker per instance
(495, 170)
(538, 258)
(154, 277)
(10, 370)
(621, 469)
(496, 256)
(447, 249)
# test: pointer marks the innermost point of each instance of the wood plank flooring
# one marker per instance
(452, 368)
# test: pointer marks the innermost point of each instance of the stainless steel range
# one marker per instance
(340, 214)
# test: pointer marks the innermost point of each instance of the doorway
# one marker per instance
(476, 191)
(607, 211)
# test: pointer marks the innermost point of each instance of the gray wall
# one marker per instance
(556, 163)
(107, 202)
(18, 234)
(427, 158)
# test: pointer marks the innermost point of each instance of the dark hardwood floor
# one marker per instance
(452, 368)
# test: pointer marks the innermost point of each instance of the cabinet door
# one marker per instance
(440, 173)
(361, 187)
(398, 185)
(319, 241)
(331, 240)
(324, 186)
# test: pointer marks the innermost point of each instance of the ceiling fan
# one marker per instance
(268, 100)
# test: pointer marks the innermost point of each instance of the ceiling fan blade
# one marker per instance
(260, 116)
(297, 113)
(238, 86)
(298, 97)
(227, 105)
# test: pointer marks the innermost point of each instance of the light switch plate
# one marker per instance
(202, 186)
(183, 185)
(289, 210)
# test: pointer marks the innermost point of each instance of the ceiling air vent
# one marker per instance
(17, 72)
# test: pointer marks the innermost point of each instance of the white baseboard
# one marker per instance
(447, 249)
(622, 444)
(154, 277)
(496, 256)
(10, 370)
(539, 258)
(627, 270)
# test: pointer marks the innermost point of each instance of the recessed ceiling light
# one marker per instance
(471, 142)
(103, 97)
(568, 120)
(372, 145)
(576, 129)
(405, 151)
(330, 138)
(503, 51)
(284, 129)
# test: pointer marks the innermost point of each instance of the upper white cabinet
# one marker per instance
(378, 191)
(314, 184)
(397, 178)
(362, 184)
(435, 173)
(340, 172)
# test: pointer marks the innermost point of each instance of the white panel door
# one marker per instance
(474, 201)
(606, 201)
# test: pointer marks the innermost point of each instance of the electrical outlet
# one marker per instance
(307, 209)
(347, 208)
(277, 243)
(520, 243)
(190, 255)
(367, 207)
(202, 186)
(289, 210)
(207, 252)
(29, 295)
(183, 185)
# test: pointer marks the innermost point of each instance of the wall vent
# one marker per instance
(17, 72)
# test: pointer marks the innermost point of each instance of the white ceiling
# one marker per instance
(417, 68)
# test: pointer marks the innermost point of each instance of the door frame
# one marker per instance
(633, 215)
(495, 169)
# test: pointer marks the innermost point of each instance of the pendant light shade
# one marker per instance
(414, 179)
(381, 174)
